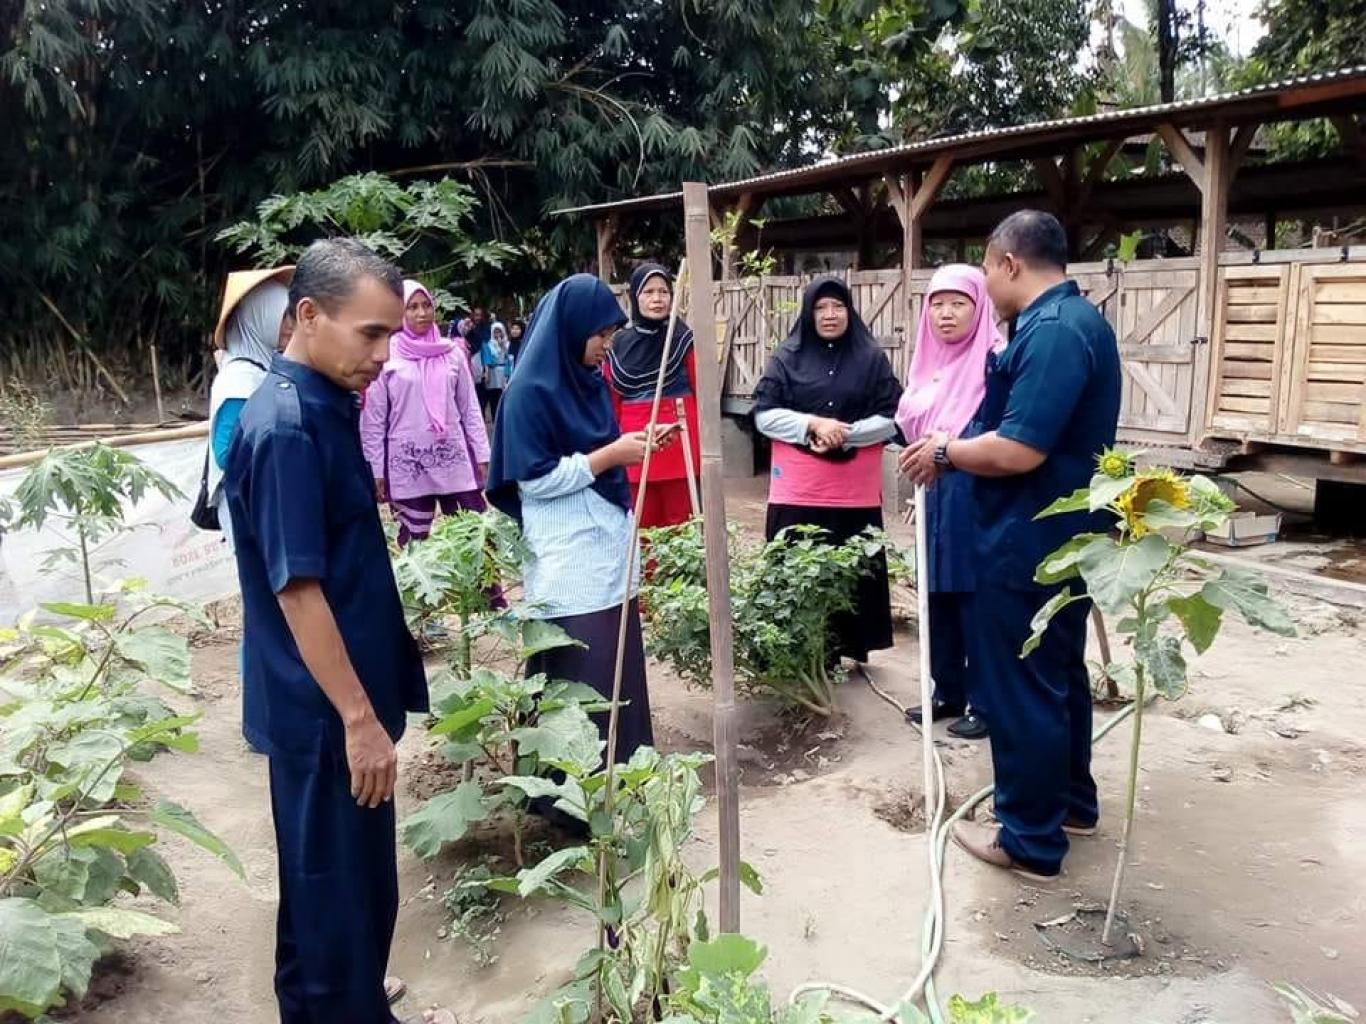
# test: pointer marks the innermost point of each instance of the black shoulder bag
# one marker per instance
(205, 512)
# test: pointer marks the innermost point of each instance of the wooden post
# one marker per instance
(156, 383)
(1213, 220)
(607, 240)
(702, 305)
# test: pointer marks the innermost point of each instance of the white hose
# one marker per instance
(932, 769)
(937, 830)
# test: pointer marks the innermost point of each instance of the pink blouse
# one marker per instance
(397, 437)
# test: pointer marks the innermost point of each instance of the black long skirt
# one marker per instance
(596, 664)
(868, 627)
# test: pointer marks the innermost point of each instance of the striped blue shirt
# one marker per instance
(578, 540)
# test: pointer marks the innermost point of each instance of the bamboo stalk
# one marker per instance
(614, 714)
(118, 441)
(681, 412)
(156, 382)
(697, 231)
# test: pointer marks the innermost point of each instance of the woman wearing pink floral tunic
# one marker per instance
(421, 427)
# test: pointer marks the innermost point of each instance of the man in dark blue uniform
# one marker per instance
(1051, 406)
(330, 670)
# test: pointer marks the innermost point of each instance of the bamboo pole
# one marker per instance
(118, 441)
(156, 383)
(681, 412)
(633, 550)
(702, 303)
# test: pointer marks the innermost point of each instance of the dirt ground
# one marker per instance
(1250, 849)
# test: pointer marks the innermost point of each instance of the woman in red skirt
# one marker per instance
(632, 370)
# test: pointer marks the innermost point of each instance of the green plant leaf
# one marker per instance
(12, 807)
(987, 1010)
(1078, 501)
(566, 738)
(1116, 573)
(170, 815)
(1064, 563)
(533, 879)
(1199, 618)
(1038, 625)
(147, 868)
(443, 819)
(1161, 515)
(750, 879)
(118, 839)
(164, 656)
(121, 923)
(727, 954)
(1165, 665)
(461, 719)
(91, 760)
(1246, 592)
(539, 636)
(41, 955)
(85, 612)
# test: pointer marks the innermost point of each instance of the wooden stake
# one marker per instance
(702, 302)
(156, 383)
(614, 714)
(681, 412)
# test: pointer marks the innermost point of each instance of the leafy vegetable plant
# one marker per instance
(1161, 594)
(783, 596)
(77, 711)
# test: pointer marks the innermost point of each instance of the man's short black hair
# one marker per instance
(330, 269)
(1033, 236)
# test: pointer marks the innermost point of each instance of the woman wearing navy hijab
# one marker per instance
(558, 467)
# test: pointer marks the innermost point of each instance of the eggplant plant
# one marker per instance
(78, 710)
(1147, 579)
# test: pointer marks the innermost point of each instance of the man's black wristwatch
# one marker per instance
(941, 456)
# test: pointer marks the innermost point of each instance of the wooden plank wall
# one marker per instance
(1288, 356)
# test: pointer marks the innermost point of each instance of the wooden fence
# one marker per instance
(1286, 363)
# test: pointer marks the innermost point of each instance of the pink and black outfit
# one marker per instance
(847, 379)
(422, 431)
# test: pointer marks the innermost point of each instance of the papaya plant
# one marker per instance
(783, 596)
(85, 489)
(1163, 597)
(78, 709)
(454, 573)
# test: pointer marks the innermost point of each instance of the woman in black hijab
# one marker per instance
(632, 370)
(826, 400)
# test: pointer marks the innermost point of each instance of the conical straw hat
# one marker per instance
(239, 284)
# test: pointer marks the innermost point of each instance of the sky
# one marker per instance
(1234, 20)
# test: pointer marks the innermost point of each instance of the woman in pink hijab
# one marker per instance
(947, 379)
(421, 427)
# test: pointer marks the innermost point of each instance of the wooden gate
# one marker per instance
(1155, 323)
(1324, 381)
(1248, 347)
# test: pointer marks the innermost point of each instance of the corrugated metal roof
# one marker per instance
(1013, 134)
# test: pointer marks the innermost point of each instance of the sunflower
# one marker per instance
(1149, 486)
(1114, 463)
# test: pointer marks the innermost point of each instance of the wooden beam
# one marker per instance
(928, 191)
(715, 540)
(1213, 220)
(606, 228)
(1182, 153)
(896, 198)
(1237, 151)
(912, 235)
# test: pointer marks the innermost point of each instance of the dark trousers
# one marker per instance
(951, 666)
(1040, 712)
(338, 897)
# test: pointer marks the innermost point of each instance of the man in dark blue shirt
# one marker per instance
(330, 670)
(1051, 406)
